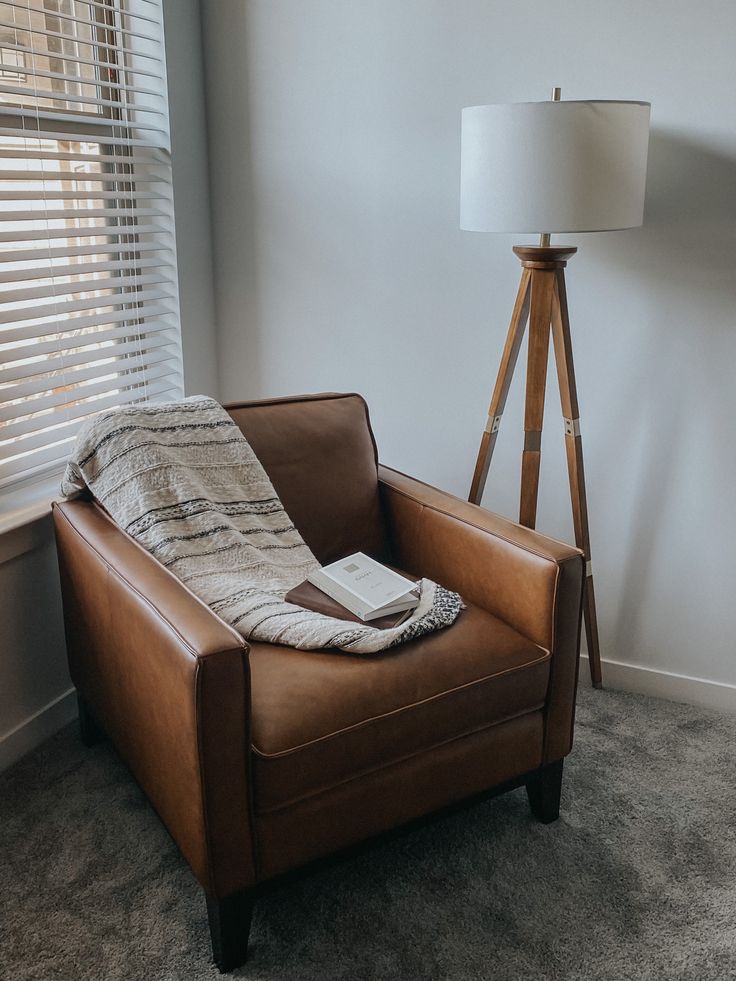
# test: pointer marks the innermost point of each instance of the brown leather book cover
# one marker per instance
(312, 598)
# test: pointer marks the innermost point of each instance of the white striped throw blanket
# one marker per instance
(181, 479)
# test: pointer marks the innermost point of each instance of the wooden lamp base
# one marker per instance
(542, 301)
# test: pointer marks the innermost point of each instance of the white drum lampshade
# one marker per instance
(553, 166)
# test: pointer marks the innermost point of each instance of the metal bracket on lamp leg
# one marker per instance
(542, 300)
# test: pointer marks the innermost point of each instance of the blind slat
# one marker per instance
(89, 231)
(27, 128)
(76, 59)
(103, 353)
(46, 423)
(75, 342)
(81, 214)
(58, 398)
(42, 331)
(102, 5)
(78, 100)
(93, 82)
(92, 120)
(13, 469)
(55, 273)
(78, 373)
(50, 194)
(103, 176)
(37, 464)
(98, 248)
(114, 283)
(86, 404)
(124, 158)
(76, 306)
(58, 35)
(100, 25)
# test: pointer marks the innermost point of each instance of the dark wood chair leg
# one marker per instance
(229, 921)
(89, 730)
(543, 789)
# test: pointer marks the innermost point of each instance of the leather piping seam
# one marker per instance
(209, 871)
(243, 648)
(401, 759)
(405, 708)
(372, 436)
(248, 762)
(287, 399)
(550, 679)
(577, 659)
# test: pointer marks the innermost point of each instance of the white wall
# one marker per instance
(334, 155)
(35, 696)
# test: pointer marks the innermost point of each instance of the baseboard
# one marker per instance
(665, 684)
(37, 728)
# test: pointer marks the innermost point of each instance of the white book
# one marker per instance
(365, 587)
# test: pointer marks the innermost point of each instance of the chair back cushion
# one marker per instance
(320, 454)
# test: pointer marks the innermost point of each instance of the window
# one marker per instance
(88, 288)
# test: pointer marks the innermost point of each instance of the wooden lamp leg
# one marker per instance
(574, 449)
(501, 390)
(542, 290)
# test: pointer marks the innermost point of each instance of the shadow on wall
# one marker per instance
(673, 405)
(690, 213)
(236, 248)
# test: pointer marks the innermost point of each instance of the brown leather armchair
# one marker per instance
(261, 759)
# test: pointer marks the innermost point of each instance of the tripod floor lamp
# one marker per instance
(545, 167)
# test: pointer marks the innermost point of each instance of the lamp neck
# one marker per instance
(544, 238)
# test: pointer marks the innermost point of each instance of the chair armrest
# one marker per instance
(533, 583)
(169, 682)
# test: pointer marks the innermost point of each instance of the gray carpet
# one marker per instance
(636, 881)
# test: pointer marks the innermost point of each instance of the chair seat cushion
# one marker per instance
(321, 718)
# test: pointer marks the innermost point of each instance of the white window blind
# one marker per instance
(88, 288)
